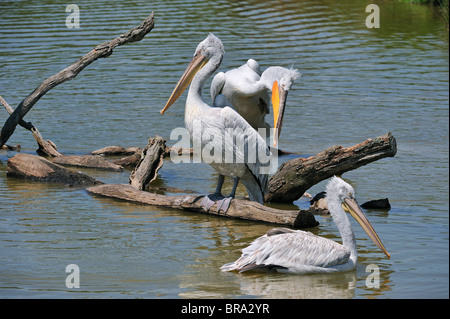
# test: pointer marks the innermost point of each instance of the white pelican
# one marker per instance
(296, 251)
(207, 58)
(247, 90)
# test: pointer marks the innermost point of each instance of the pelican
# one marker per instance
(300, 252)
(201, 118)
(246, 89)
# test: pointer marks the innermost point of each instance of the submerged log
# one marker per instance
(151, 161)
(296, 176)
(39, 169)
(100, 51)
(242, 209)
(87, 161)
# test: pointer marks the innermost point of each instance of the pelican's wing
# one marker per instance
(290, 250)
(247, 147)
(256, 152)
(216, 86)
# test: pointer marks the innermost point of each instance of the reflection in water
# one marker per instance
(276, 286)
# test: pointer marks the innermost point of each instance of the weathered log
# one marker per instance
(116, 151)
(46, 147)
(133, 158)
(130, 161)
(296, 176)
(151, 161)
(242, 209)
(87, 161)
(101, 51)
(37, 168)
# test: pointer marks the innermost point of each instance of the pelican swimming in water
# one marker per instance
(201, 118)
(296, 251)
(247, 90)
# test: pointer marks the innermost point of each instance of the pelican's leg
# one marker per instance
(219, 185)
(211, 199)
(224, 203)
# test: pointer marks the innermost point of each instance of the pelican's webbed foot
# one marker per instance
(223, 203)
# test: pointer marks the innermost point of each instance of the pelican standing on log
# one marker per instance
(200, 118)
(247, 90)
(300, 252)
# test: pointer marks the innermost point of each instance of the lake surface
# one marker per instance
(357, 83)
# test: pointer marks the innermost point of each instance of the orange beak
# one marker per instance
(279, 96)
(351, 206)
(194, 66)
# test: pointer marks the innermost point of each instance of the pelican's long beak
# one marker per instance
(279, 95)
(196, 64)
(351, 206)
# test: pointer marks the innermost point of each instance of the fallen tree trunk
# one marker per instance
(39, 169)
(296, 176)
(100, 51)
(242, 209)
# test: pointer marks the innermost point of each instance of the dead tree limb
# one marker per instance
(46, 147)
(242, 209)
(100, 51)
(151, 161)
(296, 176)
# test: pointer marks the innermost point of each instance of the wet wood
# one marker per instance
(296, 176)
(151, 161)
(87, 161)
(39, 169)
(242, 209)
(101, 51)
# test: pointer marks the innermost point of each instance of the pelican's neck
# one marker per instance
(343, 224)
(194, 98)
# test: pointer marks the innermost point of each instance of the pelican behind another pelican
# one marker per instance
(247, 90)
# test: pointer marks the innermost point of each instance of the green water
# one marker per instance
(357, 83)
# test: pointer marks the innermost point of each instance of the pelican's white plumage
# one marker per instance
(202, 119)
(300, 252)
(247, 90)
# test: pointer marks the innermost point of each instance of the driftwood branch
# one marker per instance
(242, 209)
(46, 147)
(151, 161)
(100, 51)
(296, 176)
